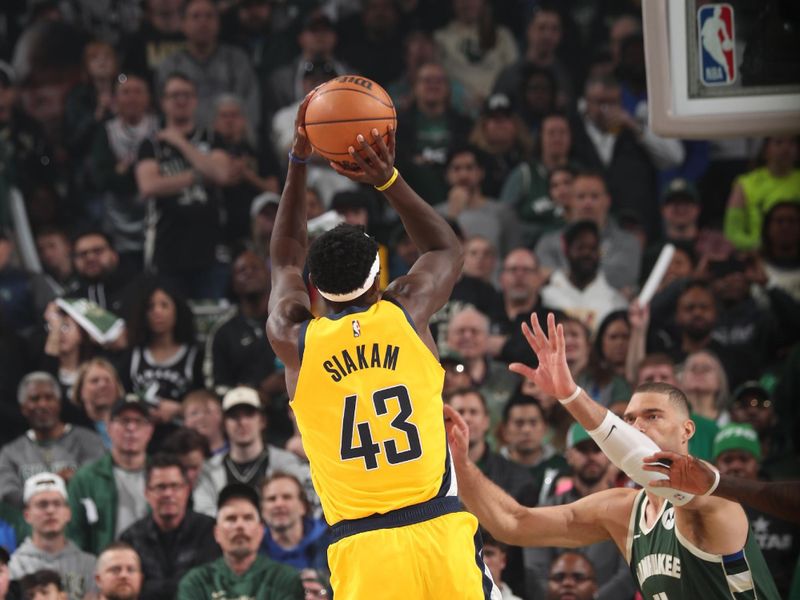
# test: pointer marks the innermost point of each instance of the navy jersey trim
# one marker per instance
(301, 339)
(447, 476)
(349, 311)
(486, 580)
(403, 308)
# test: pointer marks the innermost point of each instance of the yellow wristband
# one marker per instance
(388, 184)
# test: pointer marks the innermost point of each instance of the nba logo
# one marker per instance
(717, 45)
(356, 328)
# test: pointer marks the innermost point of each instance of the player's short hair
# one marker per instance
(340, 259)
(466, 391)
(673, 394)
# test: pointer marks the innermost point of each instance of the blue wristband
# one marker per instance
(297, 161)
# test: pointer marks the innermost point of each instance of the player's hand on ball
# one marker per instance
(301, 147)
(457, 435)
(374, 167)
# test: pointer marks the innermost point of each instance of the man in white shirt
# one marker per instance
(582, 291)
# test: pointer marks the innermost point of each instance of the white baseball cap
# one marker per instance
(239, 396)
(43, 482)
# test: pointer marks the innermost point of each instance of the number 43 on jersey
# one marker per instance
(369, 449)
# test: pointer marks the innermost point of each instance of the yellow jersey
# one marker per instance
(368, 405)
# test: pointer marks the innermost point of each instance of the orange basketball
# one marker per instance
(341, 109)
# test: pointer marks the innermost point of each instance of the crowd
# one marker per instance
(148, 142)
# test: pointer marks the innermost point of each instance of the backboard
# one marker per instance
(722, 69)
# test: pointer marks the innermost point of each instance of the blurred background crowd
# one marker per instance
(143, 145)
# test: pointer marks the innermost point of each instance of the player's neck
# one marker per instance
(654, 504)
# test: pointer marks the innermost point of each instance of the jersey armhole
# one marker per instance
(301, 339)
(405, 312)
(637, 502)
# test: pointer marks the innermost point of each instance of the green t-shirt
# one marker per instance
(702, 441)
(264, 580)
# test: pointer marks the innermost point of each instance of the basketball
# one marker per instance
(343, 108)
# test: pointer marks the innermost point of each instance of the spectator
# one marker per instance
(55, 252)
(582, 290)
(252, 172)
(315, 584)
(107, 496)
(610, 348)
(523, 433)
(780, 247)
(23, 296)
(177, 173)
(100, 279)
(503, 138)
(112, 164)
(495, 555)
(475, 213)
(591, 473)
(47, 512)
(50, 445)
(190, 448)
(240, 571)
(159, 35)
(66, 346)
(164, 362)
(471, 405)
(468, 334)
(250, 460)
(262, 217)
(14, 364)
(426, 132)
(480, 259)
(607, 137)
(527, 188)
(621, 256)
(521, 282)
(170, 540)
(571, 574)
(737, 452)
(370, 40)
(317, 40)
(292, 536)
(539, 93)
(255, 26)
(96, 389)
(754, 193)
(202, 412)
(456, 376)
(213, 67)
(543, 36)
(237, 351)
(119, 573)
(44, 584)
(475, 49)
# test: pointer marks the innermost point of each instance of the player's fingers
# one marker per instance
(551, 332)
(371, 157)
(660, 483)
(362, 164)
(561, 345)
(533, 342)
(537, 330)
(656, 468)
(346, 172)
(661, 455)
(521, 369)
(382, 148)
(391, 145)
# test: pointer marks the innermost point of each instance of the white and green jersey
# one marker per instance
(667, 566)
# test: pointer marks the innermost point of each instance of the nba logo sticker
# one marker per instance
(717, 45)
(356, 328)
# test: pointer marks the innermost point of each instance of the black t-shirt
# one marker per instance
(780, 543)
(240, 352)
(182, 229)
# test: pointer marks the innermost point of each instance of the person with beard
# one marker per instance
(583, 290)
(171, 539)
(590, 474)
(241, 572)
(571, 576)
(50, 445)
(118, 574)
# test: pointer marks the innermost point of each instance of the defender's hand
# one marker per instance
(457, 435)
(685, 473)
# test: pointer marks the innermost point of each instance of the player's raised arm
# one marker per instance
(430, 281)
(289, 304)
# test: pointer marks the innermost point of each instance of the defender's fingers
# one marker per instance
(521, 369)
(537, 330)
(534, 343)
(660, 483)
(551, 331)
(656, 468)
(561, 345)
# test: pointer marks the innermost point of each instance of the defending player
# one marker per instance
(684, 547)
(366, 390)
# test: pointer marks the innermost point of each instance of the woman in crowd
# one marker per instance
(611, 342)
(96, 390)
(65, 348)
(703, 380)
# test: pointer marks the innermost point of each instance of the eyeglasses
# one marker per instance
(162, 488)
(560, 576)
(96, 251)
(136, 421)
(316, 593)
(45, 504)
(753, 403)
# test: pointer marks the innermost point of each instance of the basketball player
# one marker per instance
(366, 390)
(677, 545)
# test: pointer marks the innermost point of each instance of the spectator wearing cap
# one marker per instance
(317, 40)
(118, 573)
(582, 290)
(252, 172)
(780, 247)
(171, 539)
(292, 535)
(112, 165)
(754, 193)
(527, 188)
(621, 250)
(241, 572)
(250, 460)
(237, 351)
(504, 139)
(50, 445)
(591, 473)
(44, 584)
(737, 452)
(107, 496)
(475, 213)
(214, 68)
(5, 577)
(47, 511)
